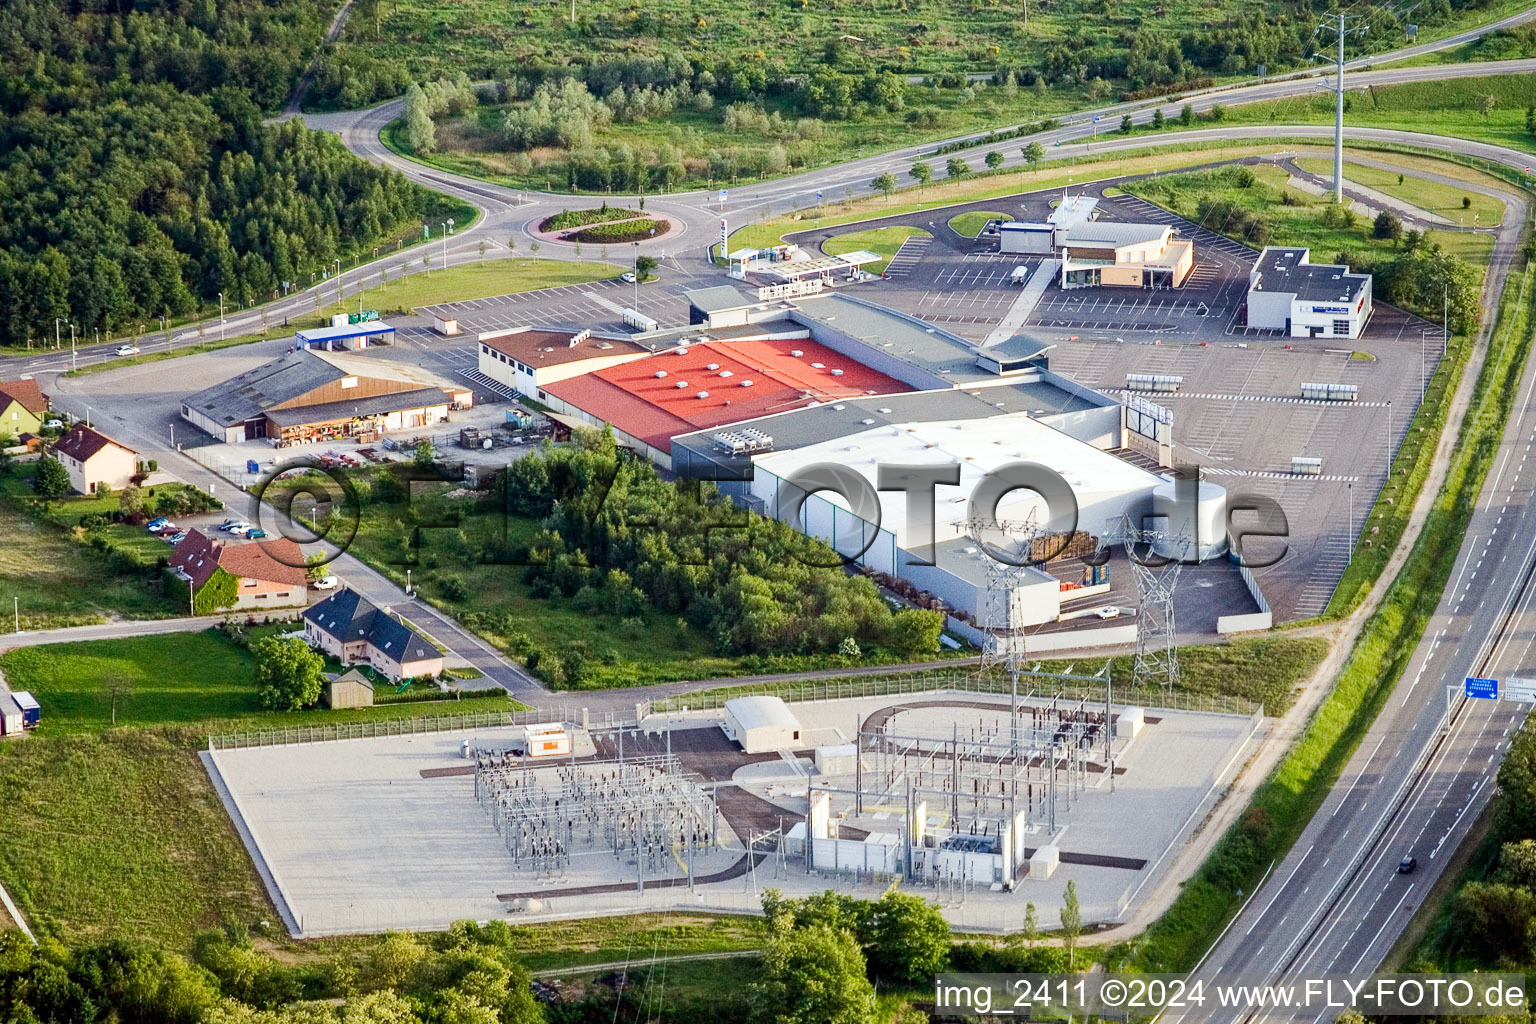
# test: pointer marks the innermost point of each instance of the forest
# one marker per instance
(139, 179)
(616, 537)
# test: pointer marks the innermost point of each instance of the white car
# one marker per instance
(1109, 611)
(627, 277)
(54, 425)
(127, 350)
(240, 529)
(325, 583)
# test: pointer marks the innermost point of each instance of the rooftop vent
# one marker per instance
(711, 366)
(867, 423)
(837, 373)
(839, 408)
(726, 373)
(682, 350)
(818, 366)
(883, 411)
(681, 385)
(660, 374)
(796, 353)
(703, 394)
(746, 383)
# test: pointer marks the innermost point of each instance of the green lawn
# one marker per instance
(50, 580)
(883, 242)
(1295, 216)
(121, 835)
(1451, 107)
(176, 679)
(970, 223)
(1077, 171)
(1431, 196)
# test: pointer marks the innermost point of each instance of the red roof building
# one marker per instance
(270, 572)
(695, 387)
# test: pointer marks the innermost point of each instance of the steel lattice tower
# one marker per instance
(1157, 652)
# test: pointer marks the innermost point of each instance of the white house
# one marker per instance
(1287, 292)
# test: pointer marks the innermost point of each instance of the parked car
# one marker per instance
(157, 525)
(1109, 611)
(226, 524)
(627, 277)
(54, 425)
(238, 528)
(325, 583)
(127, 350)
(173, 538)
(1407, 864)
(255, 534)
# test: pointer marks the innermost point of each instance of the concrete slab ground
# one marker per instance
(367, 835)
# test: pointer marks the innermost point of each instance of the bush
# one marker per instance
(1387, 225)
(453, 588)
(623, 231)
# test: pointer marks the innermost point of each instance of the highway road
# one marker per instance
(1425, 770)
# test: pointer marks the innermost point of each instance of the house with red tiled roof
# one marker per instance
(93, 458)
(23, 407)
(267, 573)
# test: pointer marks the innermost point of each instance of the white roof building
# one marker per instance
(761, 724)
(1104, 485)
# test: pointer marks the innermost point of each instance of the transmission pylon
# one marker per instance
(1157, 652)
(1004, 644)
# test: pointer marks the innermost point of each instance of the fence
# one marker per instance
(855, 687)
(1262, 619)
(293, 734)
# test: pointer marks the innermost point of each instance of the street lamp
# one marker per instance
(221, 316)
(56, 321)
(447, 227)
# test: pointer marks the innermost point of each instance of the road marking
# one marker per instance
(1278, 891)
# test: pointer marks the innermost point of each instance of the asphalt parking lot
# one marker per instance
(599, 305)
(1238, 412)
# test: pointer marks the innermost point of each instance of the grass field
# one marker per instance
(49, 580)
(397, 289)
(772, 229)
(883, 242)
(1430, 196)
(121, 835)
(1450, 107)
(181, 678)
(971, 222)
(1294, 215)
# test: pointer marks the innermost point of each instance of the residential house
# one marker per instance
(94, 458)
(355, 631)
(23, 407)
(268, 573)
